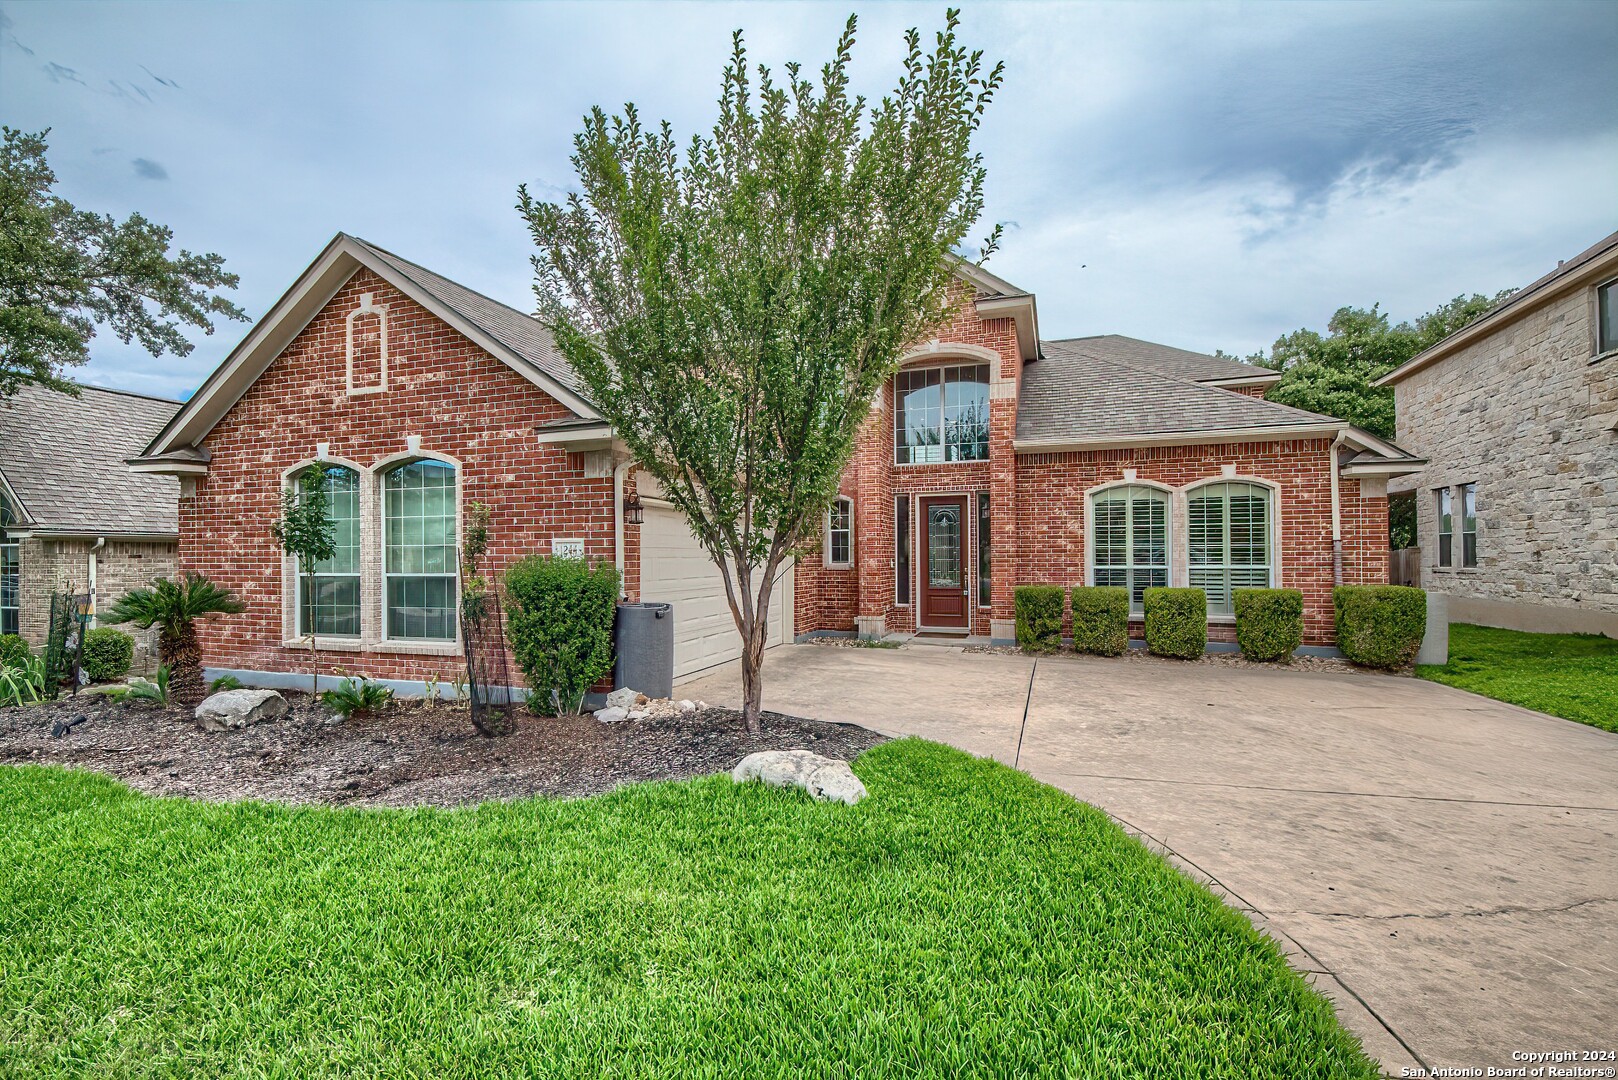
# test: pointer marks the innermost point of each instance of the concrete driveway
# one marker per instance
(1444, 866)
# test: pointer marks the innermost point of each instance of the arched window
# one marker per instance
(840, 532)
(418, 504)
(941, 414)
(1129, 544)
(329, 598)
(1228, 528)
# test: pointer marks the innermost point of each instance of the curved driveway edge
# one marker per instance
(1444, 866)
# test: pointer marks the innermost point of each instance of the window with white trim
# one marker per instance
(10, 576)
(1469, 524)
(1607, 318)
(1129, 544)
(941, 414)
(1446, 526)
(419, 525)
(329, 597)
(840, 532)
(1228, 541)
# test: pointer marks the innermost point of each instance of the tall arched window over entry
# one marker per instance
(1130, 539)
(418, 505)
(1228, 541)
(329, 598)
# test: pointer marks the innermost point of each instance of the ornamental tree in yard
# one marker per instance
(734, 310)
(306, 531)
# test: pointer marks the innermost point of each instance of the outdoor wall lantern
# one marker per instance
(634, 510)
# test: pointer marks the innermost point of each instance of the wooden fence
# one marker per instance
(1404, 566)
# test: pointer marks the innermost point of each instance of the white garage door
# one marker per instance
(674, 568)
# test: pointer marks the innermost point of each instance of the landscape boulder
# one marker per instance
(825, 779)
(625, 698)
(238, 708)
(612, 714)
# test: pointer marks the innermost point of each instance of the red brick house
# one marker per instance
(993, 459)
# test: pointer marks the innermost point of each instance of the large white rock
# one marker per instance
(623, 698)
(826, 779)
(238, 708)
(612, 715)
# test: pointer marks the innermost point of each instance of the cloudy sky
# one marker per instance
(1205, 175)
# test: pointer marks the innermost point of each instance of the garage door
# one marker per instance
(674, 568)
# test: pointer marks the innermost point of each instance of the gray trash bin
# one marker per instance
(644, 640)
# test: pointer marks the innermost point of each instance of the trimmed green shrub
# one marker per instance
(1039, 617)
(107, 654)
(1176, 622)
(355, 698)
(559, 617)
(1100, 619)
(13, 650)
(1380, 626)
(1269, 622)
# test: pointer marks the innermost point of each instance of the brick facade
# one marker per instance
(1037, 507)
(48, 566)
(462, 405)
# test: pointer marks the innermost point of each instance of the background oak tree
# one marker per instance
(64, 270)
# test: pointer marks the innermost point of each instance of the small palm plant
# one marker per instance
(174, 608)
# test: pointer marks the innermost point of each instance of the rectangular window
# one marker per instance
(1607, 318)
(941, 414)
(10, 588)
(984, 580)
(901, 553)
(840, 533)
(1446, 529)
(1469, 524)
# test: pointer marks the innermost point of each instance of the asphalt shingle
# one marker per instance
(64, 459)
(1075, 392)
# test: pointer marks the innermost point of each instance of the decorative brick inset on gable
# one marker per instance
(367, 347)
(460, 403)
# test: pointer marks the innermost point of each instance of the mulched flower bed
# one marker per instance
(404, 755)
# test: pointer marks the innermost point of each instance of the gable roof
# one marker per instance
(1587, 267)
(1080, 395)
(518, 340)
(62, 460)
(1167, 360)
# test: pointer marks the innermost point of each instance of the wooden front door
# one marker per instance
(944, 588)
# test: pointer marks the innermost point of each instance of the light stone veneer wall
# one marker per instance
(1528, 414)
(54, 565)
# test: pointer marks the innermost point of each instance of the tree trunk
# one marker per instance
(752, 679)
(314, 622)
(183, 657)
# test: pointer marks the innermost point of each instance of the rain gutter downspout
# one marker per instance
(1336, 514)
(618, 474)
(101, 542)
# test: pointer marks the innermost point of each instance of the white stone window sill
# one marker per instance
(1608, 355)
(838, 566)
(352, 645)
(326, 644)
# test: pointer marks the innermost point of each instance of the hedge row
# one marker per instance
(1377, 625)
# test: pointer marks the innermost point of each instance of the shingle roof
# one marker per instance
(1164, 359)
(521, 333)
(1076, 393)
(64, 459)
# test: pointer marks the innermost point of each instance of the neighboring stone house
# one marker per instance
(74, 517)
(1518, 415)
(1011, 461)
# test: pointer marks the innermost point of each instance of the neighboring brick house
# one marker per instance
(419, 397)
(72, 516)
(1518, 415)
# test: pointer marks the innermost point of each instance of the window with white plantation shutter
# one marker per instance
(1228, 541)
(1130, 539)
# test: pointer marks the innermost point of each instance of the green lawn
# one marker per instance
(1569, 675)
(962, 921)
